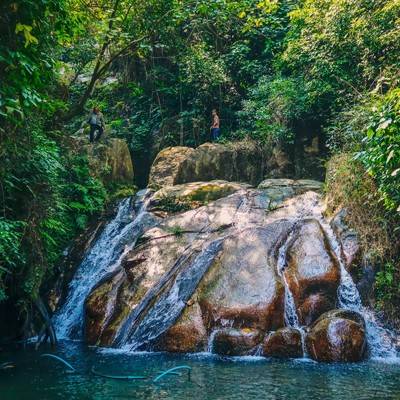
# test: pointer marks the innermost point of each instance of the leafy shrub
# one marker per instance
(272, 108)
(349, 186)
(381, 148)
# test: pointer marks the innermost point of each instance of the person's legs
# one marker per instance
(101, 130)
(215, 134)
(91, 134)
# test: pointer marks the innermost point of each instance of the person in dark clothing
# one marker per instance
(215, 129)
(96, 122)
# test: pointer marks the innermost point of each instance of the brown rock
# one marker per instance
(238, 162)
(348, 238)
(314, 306)
(312, 267)
(167, 165)
(98, 308)
(337, 336)
(235, 342)
(283, 343)
(187, 335)
(242, 286)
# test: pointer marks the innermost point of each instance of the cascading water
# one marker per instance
(291, 317)
(380, 340)
(169, 305)
(117, 238)
(163, 303)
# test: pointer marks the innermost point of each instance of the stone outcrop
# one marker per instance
(339, 336)
(283, 343)
(215, 275)
(349, 240)
(191, 195)
(313, 272)
(109, 159)
(237, 162)
(235, 342)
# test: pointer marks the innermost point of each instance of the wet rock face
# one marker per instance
(338, 336)
(187, 335)
(314, 306)
(243, 286)
(313, 272)
(214, 276)
(283, 343)
(350, 246)
(235, 342)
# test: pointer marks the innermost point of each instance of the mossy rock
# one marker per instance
(187, 196)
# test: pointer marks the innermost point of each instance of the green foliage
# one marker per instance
(272, 108)
(172, 205)
(28, 31)
(387, 285)
(381, 148)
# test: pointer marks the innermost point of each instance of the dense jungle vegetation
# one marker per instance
(279, 72)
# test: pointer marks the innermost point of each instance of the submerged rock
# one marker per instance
(235, 342)
(339, 336)
(283, 343)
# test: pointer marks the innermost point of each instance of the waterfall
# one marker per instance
(210, 343)
(117, 238)
(380, 340)
(291, 317)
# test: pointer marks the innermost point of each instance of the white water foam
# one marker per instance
(116, 240)
(380, 340)
(291, 317)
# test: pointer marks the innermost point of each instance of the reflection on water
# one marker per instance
(212, 377)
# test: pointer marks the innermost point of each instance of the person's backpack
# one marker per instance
(92, 119)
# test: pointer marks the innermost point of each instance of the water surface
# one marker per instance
(212, 377)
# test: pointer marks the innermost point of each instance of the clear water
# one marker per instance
(213, 378)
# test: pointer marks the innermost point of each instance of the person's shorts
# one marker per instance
(215, 132)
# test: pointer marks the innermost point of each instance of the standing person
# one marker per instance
(215, 130)
(96, 122)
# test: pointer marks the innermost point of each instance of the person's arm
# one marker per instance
(215, 122)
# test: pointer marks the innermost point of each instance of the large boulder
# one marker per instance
(215, 276)
(312, 271)
(235, 342)
(238, 162)
(339, 336)
(167, 166)
(243, 286)
(109, 159)
(186, 196)
(283, 343)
